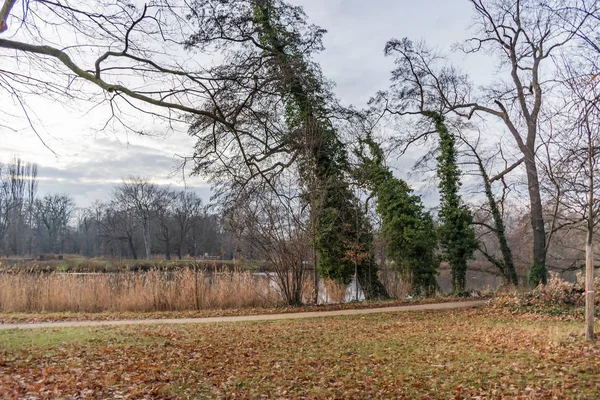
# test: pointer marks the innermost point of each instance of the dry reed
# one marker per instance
(159, 290)
(335, 292)
(396, 287)
(185, 289)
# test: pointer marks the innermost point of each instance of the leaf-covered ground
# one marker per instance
(413, 355)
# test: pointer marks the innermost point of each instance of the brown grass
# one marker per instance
(185, 289)
(397, 287)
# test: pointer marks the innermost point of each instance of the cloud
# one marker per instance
(89, 163)
(107, 163)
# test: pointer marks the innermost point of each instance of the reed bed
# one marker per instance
(396, 286)
(185, 289)
(155, 290)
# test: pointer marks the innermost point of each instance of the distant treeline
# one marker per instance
(139, 220)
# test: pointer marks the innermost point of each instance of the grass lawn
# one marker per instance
(413, 355)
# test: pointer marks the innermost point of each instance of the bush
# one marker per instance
(557, 297)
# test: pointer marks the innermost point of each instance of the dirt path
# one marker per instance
(266, 317)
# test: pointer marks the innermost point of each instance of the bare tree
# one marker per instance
(54, 213)
(278, 232)
(6, 204)
(575, 171)
(187, 210)
(165, 219)
(524, 35)
(143, 199)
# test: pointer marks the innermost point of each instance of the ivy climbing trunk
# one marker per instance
(506, 266)
(408, 230)
(455, 233)
(323, 159)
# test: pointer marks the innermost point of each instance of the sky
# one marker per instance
(77, 157)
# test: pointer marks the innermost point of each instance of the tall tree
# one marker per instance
(408, 230)
(337, 219)
(575, 172)
(524, 35)
(143, 199)
(456, 234)
(187, 210)
(54, 213)
(165, 219)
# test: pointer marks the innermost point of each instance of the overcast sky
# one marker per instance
(89, 162)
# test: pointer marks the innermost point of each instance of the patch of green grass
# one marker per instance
(47, 339)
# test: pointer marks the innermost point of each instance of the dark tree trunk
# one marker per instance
(132, 247)
(369, 281)
(168, 244)
(538, 273)
(506, 266)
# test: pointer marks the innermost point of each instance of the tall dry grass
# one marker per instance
(396, 287)
(335, 292)
(159, 290)
(185, 289)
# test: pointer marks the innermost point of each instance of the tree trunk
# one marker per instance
(146, 233)
(369, 281)
(168, 244)
(132, 247)
(538, 273)
(316, 273)
(589, 287)
(507, 267)
(589, 250)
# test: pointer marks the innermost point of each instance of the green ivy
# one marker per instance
(408, 230)
(456, 234)
(339, 220)
(537, 274)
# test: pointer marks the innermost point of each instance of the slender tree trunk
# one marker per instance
(589, 287)
(132, 247)
(168, 244)
(316, 270)
(589, 251)
(180, 245)
(146, 233)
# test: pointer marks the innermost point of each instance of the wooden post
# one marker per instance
(589, 289)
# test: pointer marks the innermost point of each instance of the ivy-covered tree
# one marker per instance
(408, 230)
(504, 263)
(339, 221)
(455, 233)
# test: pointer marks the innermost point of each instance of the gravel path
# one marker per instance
(266, 317)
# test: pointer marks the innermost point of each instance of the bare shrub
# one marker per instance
(556, 295)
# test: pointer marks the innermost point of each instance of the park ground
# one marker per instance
(444, 354)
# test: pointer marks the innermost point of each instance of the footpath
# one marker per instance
(245, 318)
